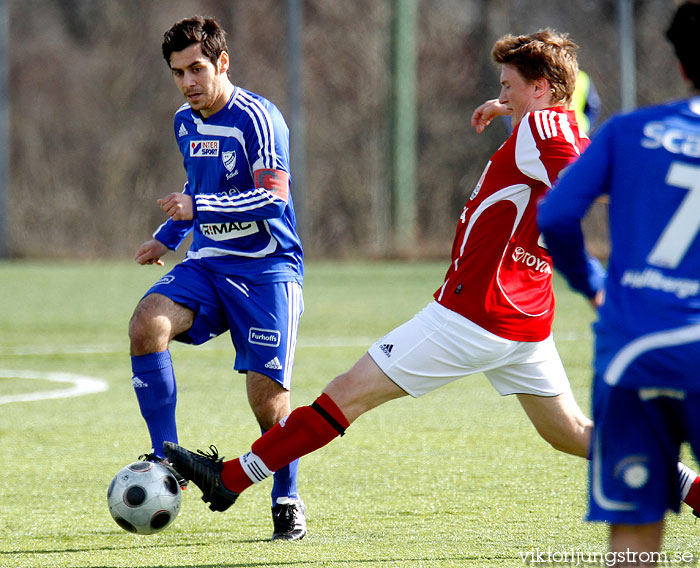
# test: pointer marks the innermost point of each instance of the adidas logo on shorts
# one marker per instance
(386, 349)
(274, 364)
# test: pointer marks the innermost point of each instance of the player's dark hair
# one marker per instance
(197, 29)
(545, 54)
(683, 35)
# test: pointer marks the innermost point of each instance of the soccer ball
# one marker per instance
(144, 497)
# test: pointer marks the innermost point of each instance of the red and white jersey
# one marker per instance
(501, 274)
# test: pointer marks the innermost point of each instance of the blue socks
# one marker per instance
(285, 481)
(154, 384)
(156, 392)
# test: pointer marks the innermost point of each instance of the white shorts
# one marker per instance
(438, 346)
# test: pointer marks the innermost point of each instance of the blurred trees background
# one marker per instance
(92, 103)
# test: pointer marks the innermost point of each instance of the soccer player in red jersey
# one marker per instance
(494, 312)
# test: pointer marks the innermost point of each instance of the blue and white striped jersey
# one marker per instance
(648, 162)
(239, 226)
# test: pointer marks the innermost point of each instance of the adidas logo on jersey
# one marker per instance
(386, 349)
(275, 364)
(182, 132)
(138, 383)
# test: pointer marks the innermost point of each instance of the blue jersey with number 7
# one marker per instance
(648, 163)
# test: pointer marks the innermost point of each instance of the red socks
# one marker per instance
(305, 430)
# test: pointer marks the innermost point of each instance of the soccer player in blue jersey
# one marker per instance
(646, 393)
(243, 272)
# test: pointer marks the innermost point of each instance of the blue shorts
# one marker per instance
(635, 450)
(263, 318)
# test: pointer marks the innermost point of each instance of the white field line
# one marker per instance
(80, 385)
(221, 345)
(30, 350)
(224, 345)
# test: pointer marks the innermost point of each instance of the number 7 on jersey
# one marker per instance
(685, 223)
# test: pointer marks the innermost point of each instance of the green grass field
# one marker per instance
(457, 478)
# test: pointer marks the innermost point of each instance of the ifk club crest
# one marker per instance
(229, 159)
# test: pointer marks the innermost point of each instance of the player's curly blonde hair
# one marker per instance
(545, 54)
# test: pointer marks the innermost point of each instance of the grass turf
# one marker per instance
(457, 478)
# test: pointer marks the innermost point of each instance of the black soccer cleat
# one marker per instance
(289, 520)
(181, 481)
(204, 470)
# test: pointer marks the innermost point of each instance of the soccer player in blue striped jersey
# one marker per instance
(243, 272)
(646, 392)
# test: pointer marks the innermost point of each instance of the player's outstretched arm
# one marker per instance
(486, 112)
(150, 252)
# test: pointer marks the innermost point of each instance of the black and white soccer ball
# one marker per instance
(144, 497)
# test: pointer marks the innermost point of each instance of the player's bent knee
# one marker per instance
(148, 333)
(143, 328)
(574, 441)
(559, 444)
(155, 321)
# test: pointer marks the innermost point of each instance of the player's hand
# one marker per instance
(598, 299)
(486, 112)
(150, 253)
(178, 206)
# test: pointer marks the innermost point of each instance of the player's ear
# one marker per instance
(223, 62)
(542, 87)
